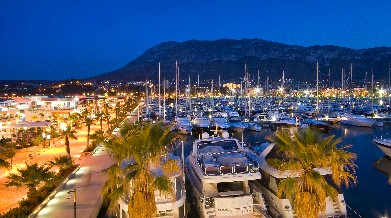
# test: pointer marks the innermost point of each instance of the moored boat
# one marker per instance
(384, 145)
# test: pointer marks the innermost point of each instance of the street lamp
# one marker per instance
(74, 201)
(44, 138)
(48, 138)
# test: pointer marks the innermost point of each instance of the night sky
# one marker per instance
(54, 40)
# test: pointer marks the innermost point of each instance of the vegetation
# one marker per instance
(303, 152)
(67, 133)
(40, 181)
(89, 121)
(139, 147)
(31, 177)
(7, 151)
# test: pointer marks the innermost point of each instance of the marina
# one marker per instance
(370, 197)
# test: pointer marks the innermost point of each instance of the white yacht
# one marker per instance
(201, 124)
(220, 122)
(267, 186)
(183, 125)
(219, 169)
(253, 126)
(167, 205)
(384, 145)
(356, 120)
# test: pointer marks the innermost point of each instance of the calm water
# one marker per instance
(371, 197)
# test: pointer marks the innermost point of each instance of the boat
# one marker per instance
(267, 186)
(166, 205)
(384, 145)
(252, 126)
(356, 120)
(201, 124)
(183, 125)
(238, 126)
(220, 122)
(317, 124)
(218, 170)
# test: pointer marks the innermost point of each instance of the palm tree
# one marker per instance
(64, 162)
(89, 122)
(100, 116)
(98, 137)
(106, 112)
(7, 151)
(31, 177)
(67, 133)
(140, 147)
(302, 152)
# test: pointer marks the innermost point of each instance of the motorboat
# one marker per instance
(201, 124)
(238, 126)
(220, 122)
(167, 205)
(384, 145)
(356, 120)
(252, 126)
(267, 186)
(183, 125)
(218, 170)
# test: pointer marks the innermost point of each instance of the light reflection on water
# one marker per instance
(371, 197)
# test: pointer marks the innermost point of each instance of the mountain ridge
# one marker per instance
(226, 57)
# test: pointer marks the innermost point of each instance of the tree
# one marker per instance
(100, 116)
(97, 138)
(106, 113)
(140, 147)
(89, 122)
(7, 151)
(31, 177)
(302, 152)
(64, 162)
(67, 133)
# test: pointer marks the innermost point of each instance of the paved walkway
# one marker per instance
(88, 181)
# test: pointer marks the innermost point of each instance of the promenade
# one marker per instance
(87, 181)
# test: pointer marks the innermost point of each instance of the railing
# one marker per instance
(216, 169)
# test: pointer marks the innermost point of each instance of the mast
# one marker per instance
(176, 88)
(342, 80)
(389, 79)
(164, 99)
(317, 86)
(189, 99)
(219, 85)
(372, 88)
(198, 81)
(258, 80)
(160, 108)
(146, 97)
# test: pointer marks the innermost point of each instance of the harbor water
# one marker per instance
(371, 196)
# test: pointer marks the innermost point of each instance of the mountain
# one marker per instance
(226, 57)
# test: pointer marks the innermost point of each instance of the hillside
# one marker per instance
(226, 57)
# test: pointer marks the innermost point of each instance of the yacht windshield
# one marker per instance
(227, 145)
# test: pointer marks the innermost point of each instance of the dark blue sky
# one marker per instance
(53, 39)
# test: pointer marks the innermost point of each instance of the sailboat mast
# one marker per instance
(176, 88)
(189, 94)
(342, 81)
(146, 97)
(317, 86)
(164, 99)
(389, 79)
(219, 84)
(160, 108)
(372, 87)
